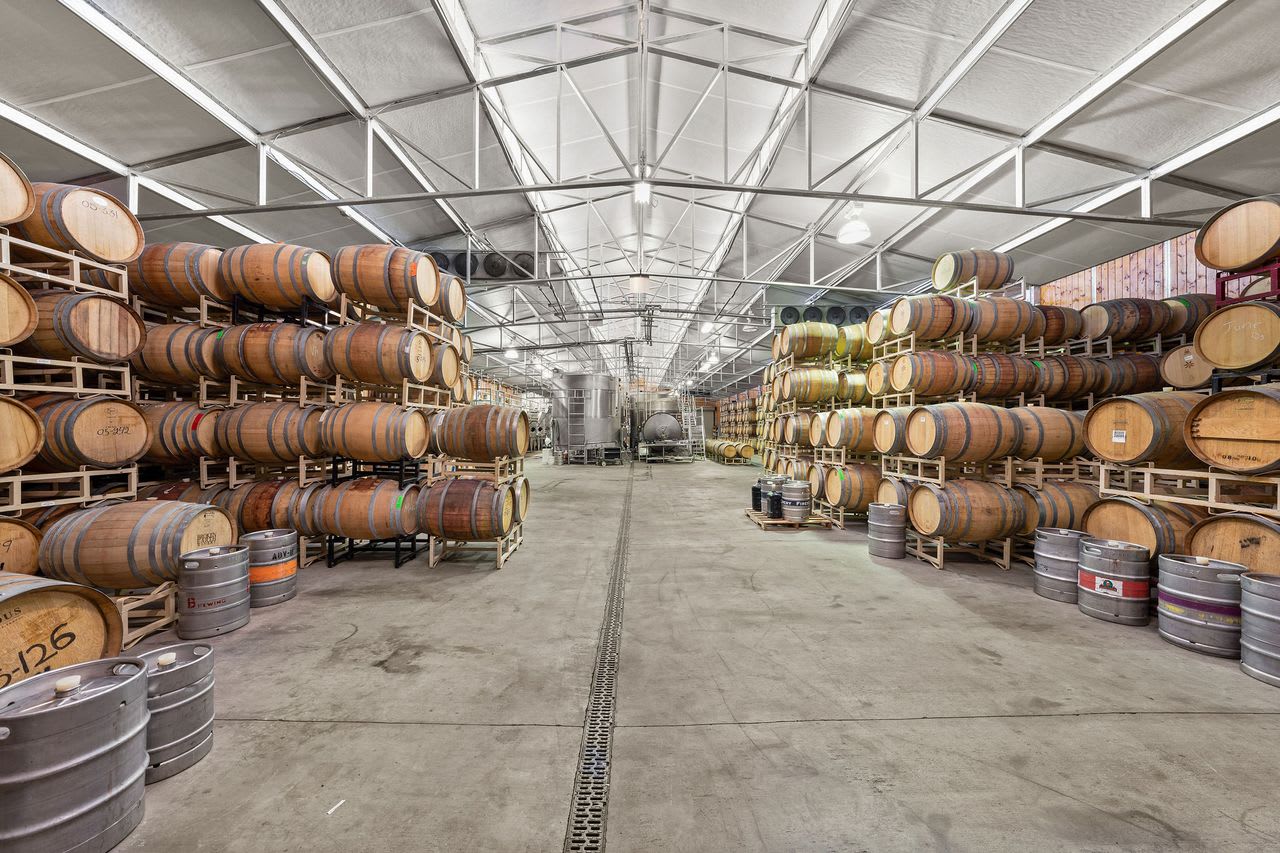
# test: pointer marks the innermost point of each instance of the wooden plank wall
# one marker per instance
(1141, 274)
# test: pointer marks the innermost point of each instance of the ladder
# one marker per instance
(691, 421)
(577, 439)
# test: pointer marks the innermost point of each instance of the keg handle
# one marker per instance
(1090, 549)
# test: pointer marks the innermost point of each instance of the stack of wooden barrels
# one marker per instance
(726, 450)
(740, 417)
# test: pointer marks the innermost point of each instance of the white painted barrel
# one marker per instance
(887, 531)
(1260, 626)
(1198, 604)
(213, 591)
(180, 697)
(273, 566)
(1057, 563)
(1114, 582)
(73, 752)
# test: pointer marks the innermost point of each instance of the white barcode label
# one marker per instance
(1117, 436)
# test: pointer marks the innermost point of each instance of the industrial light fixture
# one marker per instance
(713, 359)
(854, 230)
(642, 192)
(510, 354)
(640, 283)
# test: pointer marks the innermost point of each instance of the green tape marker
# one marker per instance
(399, 501)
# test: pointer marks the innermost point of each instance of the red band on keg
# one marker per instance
(1114, 588)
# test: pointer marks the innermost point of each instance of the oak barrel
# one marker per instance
(999, 318)
(962, 432)
(1129, 373)
(991, 270)
(131, 545)
(179, 354)
(180, 432)
(277, 275)
(1241, 236)
(1065, 377)
(17, 198)
(1241, 336)
(965, 511)
(379, 353)
(83, 325)
(878, 378)
(851, 387)
(174, 275)
(389, 277)
(808, 340)
(852, 429)
(482, 433)
(1184, 368)
(83, 220)
(19, 546)
(1237, 430)
(818, 429)
(252, 505)
(367, 508)
(889, 430)
(1159, 527)
(18, 313)
(271, 432)
(274, 353)
(796, 429)
(1141, 428)
(931, 318)
(49, 624)
(445, 368)
(452, 303)
(1238, 537)
(1061, 324)
(374, 432)
(893, 490)
(996, 376)
(852, 343)
(878, 325)
(1055, 503)
(1187, 312)
(466, 510)
(1127, 319)
(23, 430)
(1053, 435)
(852, 486)
(98, 431)
(293, 507)
(931, 373)
(810, 384)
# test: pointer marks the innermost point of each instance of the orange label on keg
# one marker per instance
(1114, 588)
(273, 572)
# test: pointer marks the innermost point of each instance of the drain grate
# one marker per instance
(590, 807)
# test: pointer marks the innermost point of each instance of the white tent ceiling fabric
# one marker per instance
(411, 64)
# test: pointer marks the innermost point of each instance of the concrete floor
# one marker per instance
(777, 691)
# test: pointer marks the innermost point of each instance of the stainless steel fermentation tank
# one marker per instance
(586, 411)
(655, 415)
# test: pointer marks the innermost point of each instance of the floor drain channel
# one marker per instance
(590, 808)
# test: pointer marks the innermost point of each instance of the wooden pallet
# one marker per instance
(837, 515)
(20, 491)
(144, 614)
(500, 471)
(765, 523)
(19, 373)
(1212, 490)
(59, 269)
(439, 550)
(935, 551)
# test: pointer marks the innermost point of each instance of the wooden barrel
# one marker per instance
(817, 477)
(83, 220)
(374, 432)
(367, 508)
(931, 373)
(962, 432)
(18, 313)
(893, 490)
(174, 275)
(271, 432)
(965, 511)
(274, 353)
(812, 384)
(818, 429)
(1125, 319)
(51, 624)
(1237, 430)
(1053, 435)
(1055, 503)
(775, 346)
(17, 198)
(1159, 527)
(1241, 236)
(180, 432)
(1187, 312)
(852, 429)
(445, 368)
(1060, 324)
(852, 486)
(931, 318)
(852, 342)
(482, 433)
(521, 492)
(1065, 377)
(878, 325)
(991, 270)
(722, 448)
(878, 378)
(1130, 373)
(889, 430)
(452, 302)
(999, 318)
(179, 354)
(277, 275)
(996, 376)
(1238, 537)
(174, 490)
(252, 505)
(796, 430)
(293, 508)
(19, 546)
(379, 353)
(131, 545)
(1141, 428)
(464, 510)
(23, 432)
(97, 432)
(83, 325)
(1241, 336)
(388, 277)
(1184, 368)
(851, 387)
(808, 340)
